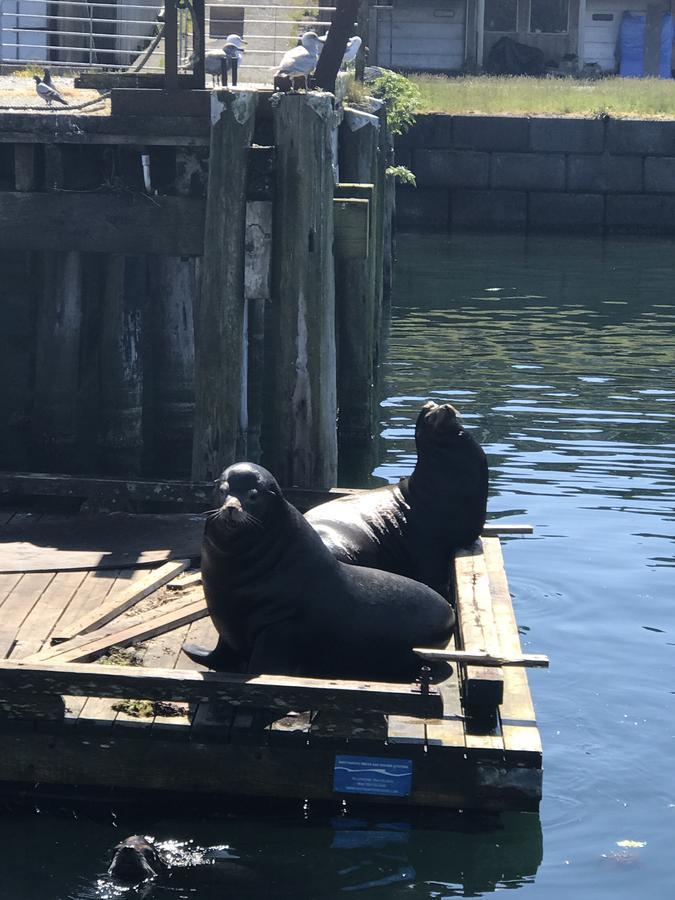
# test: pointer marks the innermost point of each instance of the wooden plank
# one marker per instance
(88, 221)
(527, 660)
(164, 652)
(123, 600)
(518, 720)
(190, 580)
(265, 691)
(448, 731)
(93, 590)
(18, 605)
(38, 624)
(352, 228)
(483, 687)
(92, 645)
(406, 730)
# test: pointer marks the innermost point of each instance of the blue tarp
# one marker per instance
(632, 42)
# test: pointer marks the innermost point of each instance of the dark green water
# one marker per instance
(560, 353)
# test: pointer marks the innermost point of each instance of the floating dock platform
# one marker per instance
(95, 692)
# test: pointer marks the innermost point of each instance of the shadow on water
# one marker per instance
(306, 855)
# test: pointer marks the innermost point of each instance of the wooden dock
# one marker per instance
(68, 718)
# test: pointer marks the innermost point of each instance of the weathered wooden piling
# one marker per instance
(299, 436)
(172, 286)
(17, 360)
(121, 444)
(219, 307)
(257, 285)
(356, 300)
(57, 360)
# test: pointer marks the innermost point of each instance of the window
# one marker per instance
(548, 16)
(501, 15)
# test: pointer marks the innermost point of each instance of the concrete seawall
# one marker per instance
(543, 174)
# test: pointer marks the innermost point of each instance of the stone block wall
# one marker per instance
(544, 174)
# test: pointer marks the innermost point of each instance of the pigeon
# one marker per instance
(301, 61)
(47, 78)
(353, 47)
(48, 93)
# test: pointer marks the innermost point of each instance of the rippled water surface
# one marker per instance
(560, 354)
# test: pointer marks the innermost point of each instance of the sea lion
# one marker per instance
(412, 528)
(282, 604)
(136, 859)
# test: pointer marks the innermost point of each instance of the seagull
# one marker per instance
(48, 93)
(353, 47)
(301, 61)
(233, 52)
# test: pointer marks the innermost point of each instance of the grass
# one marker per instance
(645, 98)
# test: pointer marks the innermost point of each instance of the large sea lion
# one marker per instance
(412, 528)
(282, 603)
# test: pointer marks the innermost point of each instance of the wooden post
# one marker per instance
(341, 29)
(219, 310)
(17, 325)
(363, 30)
(257, 290)
(383, 150)
(299, 433)
(57, 359)
(121, 362)
(172, 283)
(24, 167)
(171, 46)
(388, 226)
(356, 316)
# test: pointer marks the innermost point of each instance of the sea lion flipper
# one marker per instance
(222, 658)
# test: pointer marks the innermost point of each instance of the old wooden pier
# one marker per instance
(180, 291)
(67, 711)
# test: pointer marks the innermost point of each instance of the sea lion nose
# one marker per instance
(231, 507)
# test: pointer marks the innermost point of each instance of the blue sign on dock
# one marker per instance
(372, 775)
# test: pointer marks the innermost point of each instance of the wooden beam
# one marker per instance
(110, 223)
(269, 691)
(527, 660)
(352, 234)
(483, 686)
(122, 601)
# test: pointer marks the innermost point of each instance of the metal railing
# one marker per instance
(119, 36)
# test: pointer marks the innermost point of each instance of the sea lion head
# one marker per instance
(136, 859)
(247, 496)
(438, 425)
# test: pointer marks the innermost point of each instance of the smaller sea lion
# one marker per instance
(282, 604)
(413, 527)
(136, 859)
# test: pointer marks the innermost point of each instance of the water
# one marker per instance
(560, 354)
